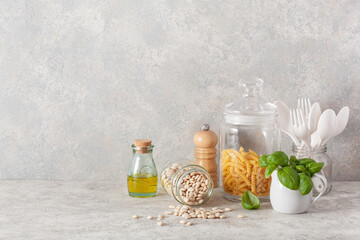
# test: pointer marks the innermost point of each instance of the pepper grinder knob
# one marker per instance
(205, 142)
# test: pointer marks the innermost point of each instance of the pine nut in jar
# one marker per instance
(192, 185)
(169, 172)
(189, 184)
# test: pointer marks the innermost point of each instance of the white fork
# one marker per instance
(299, 125)
(305, 105)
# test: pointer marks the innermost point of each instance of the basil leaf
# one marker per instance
(305, 161)
(308, 173)
(293, 161)
(308, 165)
(301, 168)
(278, 158)
(263, 161)
(250, 201)
(289, 178)
(306, 184)
(269, 170)
(315, 167)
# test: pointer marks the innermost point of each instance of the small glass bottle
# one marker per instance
(319, 155)
(189, 184)
(142, 174)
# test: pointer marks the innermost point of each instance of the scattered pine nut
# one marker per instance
(160, 223)
(189, 223)
(135, 216)
(149, 217)
(188, 212)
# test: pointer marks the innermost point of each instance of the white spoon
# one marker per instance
(341, 121)
(284, 121)
(326, 126)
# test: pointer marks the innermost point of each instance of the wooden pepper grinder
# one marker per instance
(205, 151)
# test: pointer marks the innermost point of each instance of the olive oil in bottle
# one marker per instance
(142, 186)
(142, 174)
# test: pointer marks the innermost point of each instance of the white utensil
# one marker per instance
(305, 105)
(284, 121)
(299, 125)
(312, 121)
(326, 126)
(341, 121)
(314, 115)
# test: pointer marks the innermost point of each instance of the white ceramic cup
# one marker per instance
(285, 200)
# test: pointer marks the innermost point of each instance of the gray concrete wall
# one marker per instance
(80, 80)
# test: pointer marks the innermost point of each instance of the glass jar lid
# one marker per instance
(250, 109)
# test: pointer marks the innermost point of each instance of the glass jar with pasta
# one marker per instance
(248, 130)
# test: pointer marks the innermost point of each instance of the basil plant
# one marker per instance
(293, 173)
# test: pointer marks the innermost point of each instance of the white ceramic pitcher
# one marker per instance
(285, 200)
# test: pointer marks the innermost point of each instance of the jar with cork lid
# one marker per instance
(142, 174)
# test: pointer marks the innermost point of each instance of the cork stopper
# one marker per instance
(142, 142)
(142, 145)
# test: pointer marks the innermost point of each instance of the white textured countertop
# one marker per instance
(103, 210)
